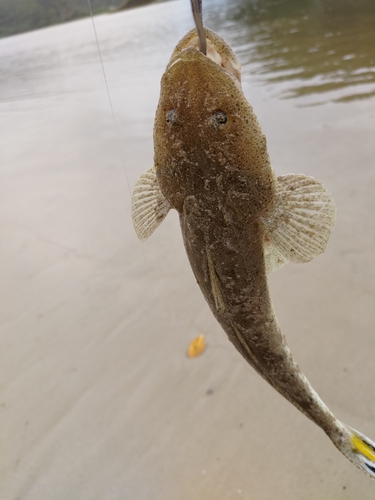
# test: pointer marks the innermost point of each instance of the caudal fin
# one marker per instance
(359, 449)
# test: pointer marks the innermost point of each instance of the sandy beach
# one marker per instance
(98, 398)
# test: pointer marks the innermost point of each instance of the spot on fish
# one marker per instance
(172, 117)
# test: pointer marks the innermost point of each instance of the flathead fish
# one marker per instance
(238, 220)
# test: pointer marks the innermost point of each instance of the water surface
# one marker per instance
(306, 48)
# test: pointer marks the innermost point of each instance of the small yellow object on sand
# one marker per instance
(196, 346)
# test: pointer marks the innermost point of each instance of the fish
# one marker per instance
(239, 221)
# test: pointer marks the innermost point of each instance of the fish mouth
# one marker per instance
(218, 51)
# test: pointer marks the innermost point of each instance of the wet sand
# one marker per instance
(98, 397)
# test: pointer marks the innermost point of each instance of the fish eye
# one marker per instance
(172, 117)
(218, 119)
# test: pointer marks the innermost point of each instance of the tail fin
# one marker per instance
(360, 450)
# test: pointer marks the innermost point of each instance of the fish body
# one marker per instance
(238, 220)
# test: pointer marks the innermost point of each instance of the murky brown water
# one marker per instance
(299, 48)
(306, 47)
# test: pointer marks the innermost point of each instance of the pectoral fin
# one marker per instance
(299, 222)
(149, 207)
(273, 258)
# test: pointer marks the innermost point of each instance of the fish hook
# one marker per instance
(196, 6)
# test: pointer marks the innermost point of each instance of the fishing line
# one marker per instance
(117, 132)
(109, 96)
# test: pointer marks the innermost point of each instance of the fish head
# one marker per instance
(207, 139)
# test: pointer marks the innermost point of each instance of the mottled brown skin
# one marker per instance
(220, 180)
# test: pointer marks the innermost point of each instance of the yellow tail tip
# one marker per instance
(362, 447)
(362, 452)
